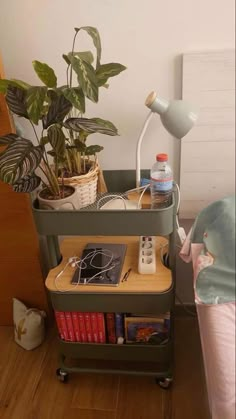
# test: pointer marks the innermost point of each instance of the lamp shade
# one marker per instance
(177, 116)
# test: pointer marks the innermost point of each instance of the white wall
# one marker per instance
(148, 37)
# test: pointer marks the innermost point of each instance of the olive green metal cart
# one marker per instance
(145, 222)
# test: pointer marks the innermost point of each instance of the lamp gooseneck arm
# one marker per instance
(138, 148)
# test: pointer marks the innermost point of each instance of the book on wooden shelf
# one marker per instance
(70, 328)
(63, 325)
(119, 327)
(88, 327)
(146, 330)
(110, 327)
(59, 326)
(75, 321)
(101, 328)
(83, 333)
(94, 326)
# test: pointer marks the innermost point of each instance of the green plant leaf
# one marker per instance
(79, 145)
(8, 139)
(4, 83)
(44, 141)
(57, 140)
(35, 98)
(15, 99)
(86, 78)
(93, 149)
(65, 57)
(105, 71)
(76, 97)
(91, 126)
(83, 55)
(20, 159)
(93, 32)
(27, 184)
(45, 73)
(59, 107)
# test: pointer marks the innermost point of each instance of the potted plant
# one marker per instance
(60, 111)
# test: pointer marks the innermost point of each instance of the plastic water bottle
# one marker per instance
(161, 182)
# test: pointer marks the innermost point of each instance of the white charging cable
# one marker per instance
(77, 262)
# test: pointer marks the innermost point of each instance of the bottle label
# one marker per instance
(162, 185)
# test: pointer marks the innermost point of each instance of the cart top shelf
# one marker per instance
(159, 282)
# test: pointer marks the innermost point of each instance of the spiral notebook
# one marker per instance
(101, 264)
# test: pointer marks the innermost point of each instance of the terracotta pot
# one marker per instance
(68, 203)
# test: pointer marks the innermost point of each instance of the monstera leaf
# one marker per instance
(27, 184)
(91, 125)
(15, 99)
(58, 109)
(20, 159)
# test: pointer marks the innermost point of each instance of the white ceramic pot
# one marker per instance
(68, 203)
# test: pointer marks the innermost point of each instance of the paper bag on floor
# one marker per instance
(29, 325)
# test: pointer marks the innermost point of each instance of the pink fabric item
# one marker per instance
(217, 331)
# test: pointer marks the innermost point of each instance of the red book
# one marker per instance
(58, 322)
(101, 328)
(111, 327)
(83, 333)
(88, 327)
(94, 324)
(75, 321)
(63, 325)
(70, 326)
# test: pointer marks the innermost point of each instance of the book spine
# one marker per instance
(75, 321)
(63, 325)
(70, 326)
(83, 333)
(101, 328)
(110, 324)
(58, 322)
(88, 327)
(119, 322)
(94, 325)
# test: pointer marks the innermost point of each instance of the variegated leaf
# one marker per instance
(76, 97)
(86, 78)
(105, 71)
(4, 83)
(20, 159)
(15, 99)
(91, 125)
(83, 55)
(9, 139)
(27, 184)
(57, 111)
(45, 74)
(80, 146)
(93, 149)
(35, 98)
(93, 32)
(57, 139)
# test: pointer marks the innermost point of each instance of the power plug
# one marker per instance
(147, 255)
(181, 234)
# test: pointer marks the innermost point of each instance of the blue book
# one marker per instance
(119, 321)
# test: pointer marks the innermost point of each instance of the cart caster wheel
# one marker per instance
(164, 383)
(62, 375)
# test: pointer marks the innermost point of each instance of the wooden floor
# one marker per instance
(29, 388)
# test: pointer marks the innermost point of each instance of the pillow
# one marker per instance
(29, 325)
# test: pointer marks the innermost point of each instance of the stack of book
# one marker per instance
(115, 328)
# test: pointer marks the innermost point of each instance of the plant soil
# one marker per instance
(64, 193)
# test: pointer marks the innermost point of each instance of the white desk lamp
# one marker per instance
(177, 116)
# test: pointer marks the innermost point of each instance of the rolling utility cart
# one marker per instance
(152, 293)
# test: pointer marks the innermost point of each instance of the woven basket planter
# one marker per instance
(87, 186)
